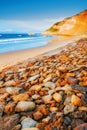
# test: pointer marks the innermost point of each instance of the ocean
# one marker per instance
(15, 42)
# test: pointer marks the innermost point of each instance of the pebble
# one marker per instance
(69, 108)
(9, 108)
(46, 120)
(37, 115)
(21, 97)
(50, 85)
(83, 108)
(53, 109)
(67, 120)
(35, 96)
(72, 80)
(43, 109)
(47, 99)
(50, 92)
(33, 78)
(75, 100)
(57, 97)
(13, 90)
(21, 70)
(28, 123)
(59, 114)
(47, 79)
(62, 69)
(9, 83)
(23, 106)
(83, 83)
(4, 96)
(36, 88)
(66, 88)
(68, 100)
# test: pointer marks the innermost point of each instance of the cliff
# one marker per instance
(74, 25)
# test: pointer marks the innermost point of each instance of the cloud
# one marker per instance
(26, 26)
(54, 20)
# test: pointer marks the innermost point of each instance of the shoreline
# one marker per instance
(13, 58)
(50, 86)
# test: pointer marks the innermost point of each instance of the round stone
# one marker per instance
(25, 106)
(28, 123)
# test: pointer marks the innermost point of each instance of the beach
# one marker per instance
(12, 58)
(45, 92)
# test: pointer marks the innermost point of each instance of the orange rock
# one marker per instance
(24, 77)
(42, 93)
(43, 109)
(53, 109)
(4, 96)
(34, 82)
(26, 86)
(83, 83)
(41, 80)
(63, 83)
(57, 97)
(40, 69)
(64, 58)
(44, 75)
(84, 73)
(57, 73)
(82, 108)
(52, 103)
(62, 69)
(40, 125)
(21, 97)
(29, 64)
(9, 108)
(15, 83)
(70, 74)
(58, 84)
(37, 115)
(84, 78)
(36, 88)
(75, 100)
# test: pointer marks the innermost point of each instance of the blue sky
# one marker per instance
(27, 15)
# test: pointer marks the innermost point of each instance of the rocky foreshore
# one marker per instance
(48, 93)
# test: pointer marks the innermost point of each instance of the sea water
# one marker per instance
(15, 42)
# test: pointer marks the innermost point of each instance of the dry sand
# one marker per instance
(12, 58)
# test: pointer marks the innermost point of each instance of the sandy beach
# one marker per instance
(12, 58)
(46, 92)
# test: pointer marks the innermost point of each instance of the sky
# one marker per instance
(36, 15)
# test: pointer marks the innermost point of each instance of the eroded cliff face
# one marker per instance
(74, 25)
